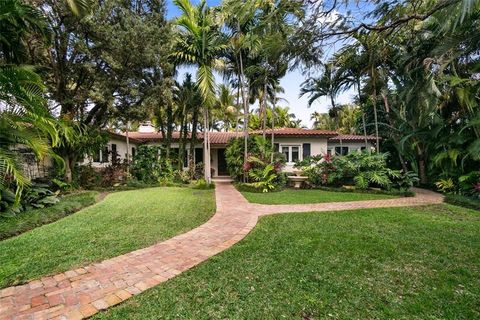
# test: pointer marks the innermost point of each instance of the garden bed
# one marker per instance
(33, 218)
(463, 201)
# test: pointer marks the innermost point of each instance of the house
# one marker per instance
(294, 143)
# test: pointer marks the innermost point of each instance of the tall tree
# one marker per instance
(200, 44)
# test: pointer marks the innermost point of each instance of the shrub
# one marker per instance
(258, 147)
(149, 166)
(203, 185)
(37, 195)
(463, 201)
(362, 169)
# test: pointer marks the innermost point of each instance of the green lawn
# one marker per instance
(123, 222)
(30, 219)
(301, 196)
(402, 263)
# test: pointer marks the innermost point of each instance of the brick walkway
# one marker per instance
(82, 292)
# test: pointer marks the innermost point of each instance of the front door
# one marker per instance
(222, 163)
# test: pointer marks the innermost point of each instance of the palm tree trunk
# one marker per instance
(128, 147)
(375, 110)
(246, 113)
(237, 117)
(264, 109)
(206, 147)
(273, 128)
(365, 132)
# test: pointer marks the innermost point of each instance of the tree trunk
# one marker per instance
(193, 140)
(422, 164)
(128, 148)
(264, 110)
(68, 168)
(377, 142)
(273, 128)
(237, 117)
(245, 110)
(365, 132)
(206, 148)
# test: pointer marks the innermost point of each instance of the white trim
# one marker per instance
(289, 146)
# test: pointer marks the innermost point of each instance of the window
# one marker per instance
(134, 152)
(329, 152)
(97, 156)
(105, 155)
(114, 153)
(342, 151)
(276, 147)
(306, 150)
(291, 153)
(198, 155)
(295, 154)
(286, 153)
(185, 158)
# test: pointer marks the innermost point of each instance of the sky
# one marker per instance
(291, 84)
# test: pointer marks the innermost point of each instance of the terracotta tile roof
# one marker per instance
(299, 132)
(224, 137)
(122, 136)
(351, 137)
(151, 136)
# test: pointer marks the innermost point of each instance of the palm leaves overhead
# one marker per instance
(17, 22)
(81, 7)
(200, 43)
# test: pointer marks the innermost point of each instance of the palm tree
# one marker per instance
(225, 109)
(199, 43)
(24, 118)
(327, 85)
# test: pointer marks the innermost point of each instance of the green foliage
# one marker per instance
(261, 172)
(150, 165)
(33, 218)
(263, 177)
(445, 185)
(463, 201)
(259, 149)
(202, 184)
(363, 169)
(37, 195)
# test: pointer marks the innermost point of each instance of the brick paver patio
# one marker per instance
(80, 293)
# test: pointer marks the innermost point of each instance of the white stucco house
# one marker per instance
(294, 143)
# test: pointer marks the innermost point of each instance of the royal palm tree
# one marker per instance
(200, 43)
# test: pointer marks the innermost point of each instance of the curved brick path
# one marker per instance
(82, 292)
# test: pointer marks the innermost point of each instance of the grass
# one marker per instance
(30, 219)
(302, 196)
(123, 222)
(402, 263)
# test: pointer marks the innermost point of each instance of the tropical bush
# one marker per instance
(463, 201)
(464, 191)
(262, 170)
(151, 166)
(362, 169)
(37, 195)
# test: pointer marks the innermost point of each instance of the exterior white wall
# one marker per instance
(317, 146)
(352, 145)
(121, 151)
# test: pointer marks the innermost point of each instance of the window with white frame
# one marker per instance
(291, 152)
